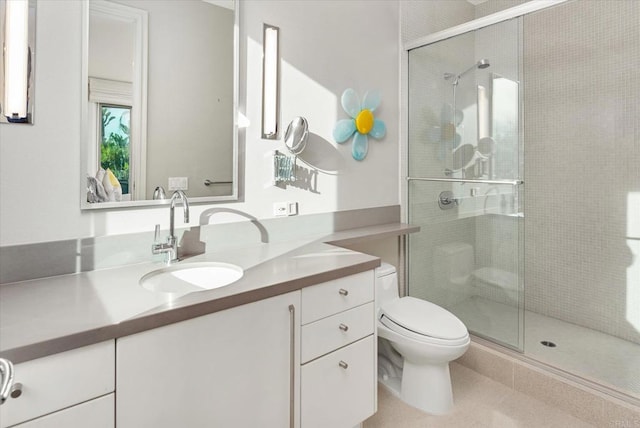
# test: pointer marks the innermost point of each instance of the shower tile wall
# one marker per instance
(419, 18)
(582, 164)
(493, 6)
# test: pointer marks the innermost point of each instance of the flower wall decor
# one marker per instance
(362, 122)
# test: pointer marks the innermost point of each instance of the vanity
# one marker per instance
(290, 344)
(301, 359)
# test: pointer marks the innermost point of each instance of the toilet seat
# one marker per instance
(423, 321)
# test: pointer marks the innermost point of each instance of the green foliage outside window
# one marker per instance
(114, 149)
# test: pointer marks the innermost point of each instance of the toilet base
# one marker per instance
(427, 387)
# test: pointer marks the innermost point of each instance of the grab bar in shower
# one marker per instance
(466, 180)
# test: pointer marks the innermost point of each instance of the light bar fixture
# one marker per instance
(270, 83)
(16, 62)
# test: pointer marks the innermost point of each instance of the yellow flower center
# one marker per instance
(364, 121)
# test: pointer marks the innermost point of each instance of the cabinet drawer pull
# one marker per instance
(343, 292)
(16, 390)
(344, 327)
(343, 365)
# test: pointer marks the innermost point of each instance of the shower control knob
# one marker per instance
(343, 292)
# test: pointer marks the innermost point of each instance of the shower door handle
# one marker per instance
(447, 201)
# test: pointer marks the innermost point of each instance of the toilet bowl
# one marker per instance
(425, 336)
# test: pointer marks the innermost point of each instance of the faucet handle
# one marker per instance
(156, 234)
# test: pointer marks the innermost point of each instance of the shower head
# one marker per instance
(483, 63)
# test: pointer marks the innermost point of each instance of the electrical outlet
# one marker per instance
(280, 209)
(283, 209)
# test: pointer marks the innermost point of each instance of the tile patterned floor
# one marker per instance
(479, 402)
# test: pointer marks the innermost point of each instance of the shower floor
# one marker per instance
(599, 357)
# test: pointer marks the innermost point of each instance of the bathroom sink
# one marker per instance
(187, 278)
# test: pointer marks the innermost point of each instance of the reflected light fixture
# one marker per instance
(16, 60)
(270, 83)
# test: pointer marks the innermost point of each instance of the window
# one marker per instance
(115, 142)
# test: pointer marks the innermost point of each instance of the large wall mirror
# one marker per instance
(160, 85)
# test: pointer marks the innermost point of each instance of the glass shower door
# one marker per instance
(465, 191)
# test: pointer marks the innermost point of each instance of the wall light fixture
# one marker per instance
(17, 70)
(270, 83)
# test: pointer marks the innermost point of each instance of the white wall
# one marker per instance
(326, 47)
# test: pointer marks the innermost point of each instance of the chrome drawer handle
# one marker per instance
(343, 327)
(343, 365)
(343, 292)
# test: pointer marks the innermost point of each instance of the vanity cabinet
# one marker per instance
(304, 359)
(233, 368)
(72, 389)
(338, 352)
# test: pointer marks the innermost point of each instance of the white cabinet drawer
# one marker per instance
(60, 380)
(320, 301)
(98, 413)
(337, 397)
(336, 331)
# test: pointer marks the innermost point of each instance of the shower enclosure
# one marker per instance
(546, 101)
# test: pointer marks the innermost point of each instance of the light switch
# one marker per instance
(178, 183)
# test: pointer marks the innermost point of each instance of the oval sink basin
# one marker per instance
(191, 277)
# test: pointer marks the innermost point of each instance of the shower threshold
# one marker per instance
(590, 354)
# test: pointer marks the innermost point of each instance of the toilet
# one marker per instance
(417, 341)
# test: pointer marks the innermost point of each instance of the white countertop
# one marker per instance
(49, 315)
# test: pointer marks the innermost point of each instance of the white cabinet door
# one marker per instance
(98, 413)
(228, 369)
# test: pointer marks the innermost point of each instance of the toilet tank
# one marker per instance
(386, 284)
(453, 263)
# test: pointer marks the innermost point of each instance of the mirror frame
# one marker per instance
(85, 129)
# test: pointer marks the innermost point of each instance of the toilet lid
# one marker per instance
(424, 318)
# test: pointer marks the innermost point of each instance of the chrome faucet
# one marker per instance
(170, 248)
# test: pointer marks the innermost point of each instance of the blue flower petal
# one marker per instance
(371, 100)
(360, 146)
(343, 130)
(379, 129)
(351, 102)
